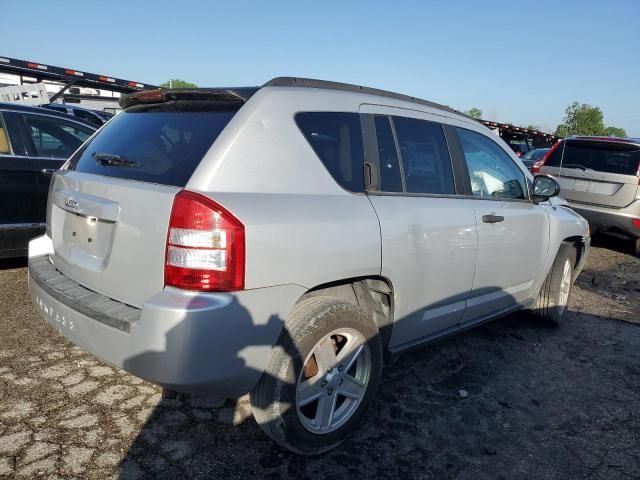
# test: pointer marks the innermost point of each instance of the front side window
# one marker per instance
(492, 172)
(336, 138)
(54, 137)
(425, 156)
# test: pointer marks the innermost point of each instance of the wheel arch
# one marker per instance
(373, 294)
(578, 243)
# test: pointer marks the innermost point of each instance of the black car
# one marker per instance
(34, 142)
(532, 156)
(95, 117)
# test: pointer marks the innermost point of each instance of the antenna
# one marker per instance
(564, 144)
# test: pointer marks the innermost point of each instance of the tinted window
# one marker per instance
(492, 172)
(390, 176)
(53, 137)
(610, 157)
(87, 116)
(337, 140)
(425, 157)
(161, 147)
(536, 154)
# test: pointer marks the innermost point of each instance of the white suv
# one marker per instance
(285, 240)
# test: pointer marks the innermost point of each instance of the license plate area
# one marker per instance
(81, 239)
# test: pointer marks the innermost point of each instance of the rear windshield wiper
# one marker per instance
(111, 160)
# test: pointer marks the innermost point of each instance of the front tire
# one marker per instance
(556, 289)
(322, 377)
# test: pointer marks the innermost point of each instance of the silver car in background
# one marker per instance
(600, 178)
(289, 239)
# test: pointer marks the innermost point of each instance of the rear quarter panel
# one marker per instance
(301, 226)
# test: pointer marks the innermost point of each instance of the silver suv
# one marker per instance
(287, 240)
(600, 178)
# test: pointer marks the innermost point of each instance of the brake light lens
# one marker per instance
(635, 222)
(205, 246)
(535, 168)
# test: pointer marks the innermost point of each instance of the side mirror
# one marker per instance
(544, 187)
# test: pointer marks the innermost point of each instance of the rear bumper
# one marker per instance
(187, 342)
(602, 218)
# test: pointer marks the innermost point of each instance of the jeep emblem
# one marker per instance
(71, 203)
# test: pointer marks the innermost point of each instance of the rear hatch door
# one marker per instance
(109, 209)
(597, 172)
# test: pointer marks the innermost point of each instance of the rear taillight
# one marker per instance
(635, 222)
(535, 168)
(205, 246)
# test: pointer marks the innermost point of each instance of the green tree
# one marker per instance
(474, 113)
(177, 83)
(615, 132)
(583, 119)
(534, 127)
(562, 131)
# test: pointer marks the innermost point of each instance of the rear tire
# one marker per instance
(556, 289)
(323, 374)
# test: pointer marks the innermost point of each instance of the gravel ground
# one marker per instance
(538, 402)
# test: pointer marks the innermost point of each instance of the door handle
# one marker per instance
(492, 218)
(47, 171)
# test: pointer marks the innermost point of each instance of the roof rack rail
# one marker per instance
(347, 87)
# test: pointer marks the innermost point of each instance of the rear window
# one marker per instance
(155, 147)
(536, 154)
(336, 138)
(609, 157)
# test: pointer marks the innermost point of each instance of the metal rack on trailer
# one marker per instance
(68, 77)
(512, 135)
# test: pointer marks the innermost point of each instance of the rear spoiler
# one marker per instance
(198, 98)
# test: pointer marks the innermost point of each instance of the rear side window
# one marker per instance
(156, 147)
(390, 175)
(53, 137)
(609, 157)
(336, 138)
(425, 156)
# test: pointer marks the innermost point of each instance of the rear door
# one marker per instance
(596, 172)
(428, 233)
(109, 211)
(513, 233)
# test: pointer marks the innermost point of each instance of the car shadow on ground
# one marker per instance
(13, 263)
(613, 243)
(514, 398)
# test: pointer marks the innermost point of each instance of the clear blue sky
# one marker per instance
(519, 61)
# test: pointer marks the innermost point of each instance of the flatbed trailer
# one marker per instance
(29, 72)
